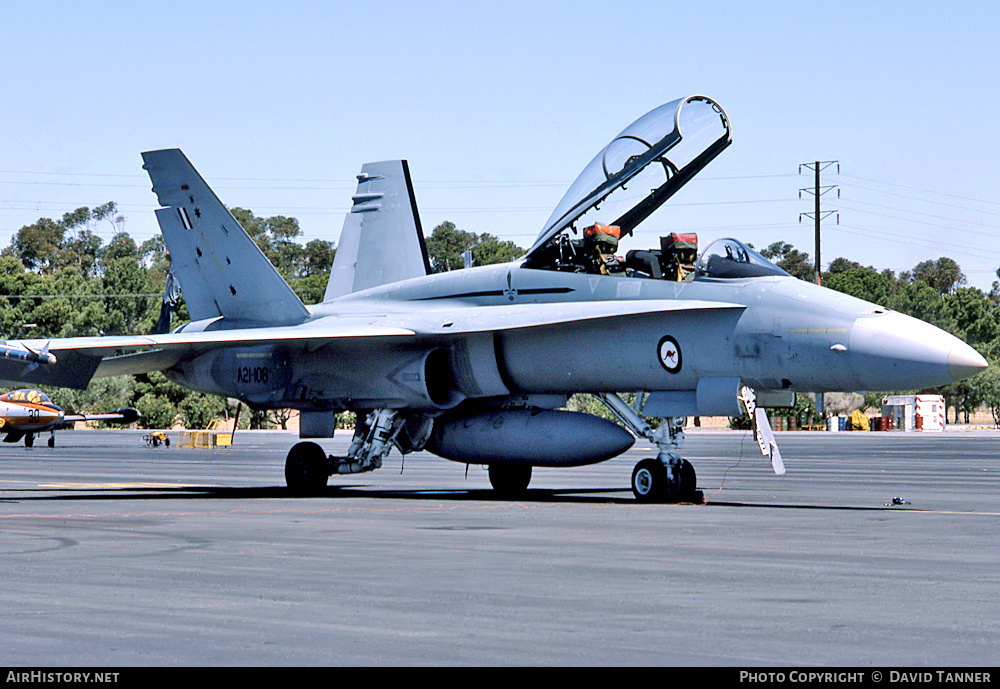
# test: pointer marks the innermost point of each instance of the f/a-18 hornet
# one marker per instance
(475, 365)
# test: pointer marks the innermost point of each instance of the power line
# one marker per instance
(924, 191)
(80, 296)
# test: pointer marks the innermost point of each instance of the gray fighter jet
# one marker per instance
(475, 365)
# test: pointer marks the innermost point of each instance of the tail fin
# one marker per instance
(382, 241)
(221, 271)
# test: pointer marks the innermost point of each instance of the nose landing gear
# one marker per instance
(652, 481)
(667, 477)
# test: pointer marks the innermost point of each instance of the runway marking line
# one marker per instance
(329, 510)
(117, 485)
(438, 508)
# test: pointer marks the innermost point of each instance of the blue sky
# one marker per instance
(498, 106)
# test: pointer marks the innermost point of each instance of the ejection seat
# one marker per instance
(645, 262)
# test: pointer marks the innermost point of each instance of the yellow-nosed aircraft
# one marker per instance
(26, 413)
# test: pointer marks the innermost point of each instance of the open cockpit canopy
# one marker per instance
(641, 168)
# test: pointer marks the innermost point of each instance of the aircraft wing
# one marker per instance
(123, 415)
(79, 359)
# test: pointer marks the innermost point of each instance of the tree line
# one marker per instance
(58, 278)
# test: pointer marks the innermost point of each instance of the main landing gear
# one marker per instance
(29, 440)
(308, 467)
(510, 480)
(667, 477)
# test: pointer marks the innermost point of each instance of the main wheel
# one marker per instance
(510, 480)
(306, 468)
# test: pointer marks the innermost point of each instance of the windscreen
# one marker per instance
(732, 259)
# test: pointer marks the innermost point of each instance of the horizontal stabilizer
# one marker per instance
(221, 270)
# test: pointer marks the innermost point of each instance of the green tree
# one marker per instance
(975, 316)
(306, 269)
(447, 244)
(198, 410)
(125, 280)
(863, 283)
(944, 275)
(791, 260)
(38, 246)
(158, 400)
(491, 250)
(989, 389)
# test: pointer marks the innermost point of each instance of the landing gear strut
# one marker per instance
(308, 467)
(668, 477)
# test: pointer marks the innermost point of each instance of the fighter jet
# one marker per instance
(26, 413)
(476, 365)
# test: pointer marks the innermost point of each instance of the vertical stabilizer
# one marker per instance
(382, 241)
(221, 270)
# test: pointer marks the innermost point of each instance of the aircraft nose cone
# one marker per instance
(964, 362)
(891, 351)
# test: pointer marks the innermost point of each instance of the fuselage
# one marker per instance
(773, 332)
(30, 417)
(791, 334)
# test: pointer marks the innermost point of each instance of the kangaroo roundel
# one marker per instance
(670, 354)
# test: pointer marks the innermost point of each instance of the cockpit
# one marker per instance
(726, 259)
(27, 396)
(642, 167)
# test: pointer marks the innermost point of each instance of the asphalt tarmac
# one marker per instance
(115, 554)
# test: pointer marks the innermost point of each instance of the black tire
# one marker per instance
(648, 478)
(306, 468)
(510, 480)
(684, 488)
(52, 441)
(29, 440)
(650, 484)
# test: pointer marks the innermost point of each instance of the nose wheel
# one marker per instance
(652, 481)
